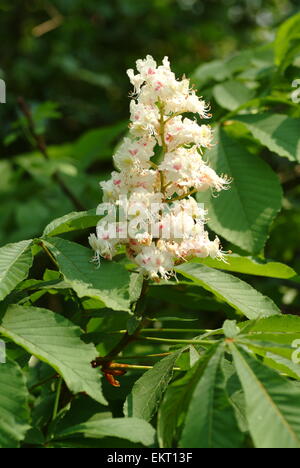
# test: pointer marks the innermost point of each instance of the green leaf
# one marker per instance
(257, 59)
(275, 334)
(238, 294)
(214, 70)
(15, 262)
(136, 286)
(97, 144)
(147, 392)
(108, 283)
(14, 408)
(250, 266)
(264, 345)
(169, 413)
(56, 341)
(243, 214)
(173, 409)
(105, 443)
(72, 222)
(232, 94)
(273, 410)
(281, 324)
(283, 365)
(279, 133)
(288, 33)
(133, 429)
(210, 421)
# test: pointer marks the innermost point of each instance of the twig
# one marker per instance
(57, 398)
(41, 146)
(142, 357)
(127, 338)
(48, 253)
(43, 382)
(125, 341)
(174, 341)
(56, 19)
(116, 365)
(181, 197)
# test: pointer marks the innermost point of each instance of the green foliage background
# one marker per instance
(243, 57)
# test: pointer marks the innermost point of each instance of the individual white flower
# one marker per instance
(113, 187)
(208, 178)
(185, 132)
(147, 179)
(185, 169)
(105, 248)
(191, 207)
(155, 262)
(134, 153)
(144, 119)
(197, 106)
(176, 226)
(146, 67)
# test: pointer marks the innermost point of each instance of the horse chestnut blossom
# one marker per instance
(159, 166)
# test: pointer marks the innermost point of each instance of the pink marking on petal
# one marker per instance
(133, 152)
(151, 71)
(159, 85)
(117, 182)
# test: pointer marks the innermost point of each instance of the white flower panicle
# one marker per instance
(158, 168)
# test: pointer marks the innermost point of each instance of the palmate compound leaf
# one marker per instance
(244, 213)
(14, 408)
(72, 222)
(15, 262)
(147, 392)
(210, 420)
(109, 283)
(238, 294)
(272, 402)
(55, 340)
(277, 132)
